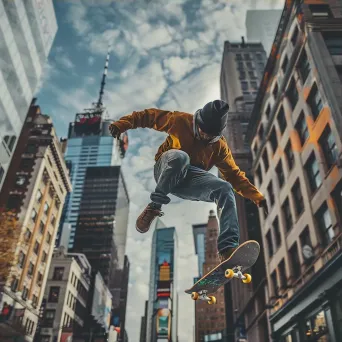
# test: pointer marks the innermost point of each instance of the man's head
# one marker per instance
(212, 119)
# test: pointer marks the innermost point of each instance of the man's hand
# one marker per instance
(114, 131)
(263, 204)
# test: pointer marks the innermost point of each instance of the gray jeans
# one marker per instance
(174, 175)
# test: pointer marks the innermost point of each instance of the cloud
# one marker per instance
(91, 60)
(76, 16)
(65, 62)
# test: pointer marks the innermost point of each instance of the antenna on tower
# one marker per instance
(99, 103)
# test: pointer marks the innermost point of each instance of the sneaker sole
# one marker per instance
(140, 231)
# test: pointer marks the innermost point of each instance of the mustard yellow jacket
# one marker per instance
(182, 136)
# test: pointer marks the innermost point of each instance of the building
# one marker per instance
(199, 232)
(162, 304)
(261, 26)
(35, 188)
(66, 296)
(210, 320)
(241, 72)
(295, 134)
(123, 299)
(143, 325)
(27, 30)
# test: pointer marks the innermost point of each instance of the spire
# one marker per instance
(99, 103)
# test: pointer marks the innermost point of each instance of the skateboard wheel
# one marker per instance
(229, 274)
(212, 300)
(248, 278)
(194, 295)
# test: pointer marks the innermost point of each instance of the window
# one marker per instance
(239, 56)
(276, 230)
(315, 102)
(292, 94)
(53, 220)
(289, 155)
(269, 244)
(251, 74)
(282, 274)
(34, 301)
(259, 174)
(24, 293)
(48, 238)
(281, 120)
(254, 84)
(305, 241)
(58, 273)
(54, 294)
(261, 132)
(268, 111)
(312, 171)
(265, 160)
(259, 56)
(275, 90)
(27, 235)
(320, 11)
(49, 318)
(295, 262)
(287, 216)
(39, 196)
(39, 278)
(294, 36)
(46, 207)
(337, 196)
(2, 172)
(324, 224)
(273, 140)
(261, 66)
(33, 215)
(10, 141)
(270, 193)
(14, 284)
(36, 247)
(250, 65)
(333, 41)
(298, 198)
(44, 256)
(328, 145)
(242, 75)
(41, 227)
(244, 85)
(302, 128)
(21, 259)
(274, 283)
(280, 174)
(240, 65)
(247, 56)
(30, 269)
(285, 64)
(317, 328)
(304, 67)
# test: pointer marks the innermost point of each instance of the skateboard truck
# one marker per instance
(202, 295)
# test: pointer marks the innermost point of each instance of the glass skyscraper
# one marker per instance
(162, 304)
(86, 149)
(199, 231)
(27, 31)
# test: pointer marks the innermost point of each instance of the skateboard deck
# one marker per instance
(242, 258)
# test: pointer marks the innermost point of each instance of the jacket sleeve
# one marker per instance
(232, 174)
(160, 120)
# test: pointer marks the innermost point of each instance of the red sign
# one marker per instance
(66, 337)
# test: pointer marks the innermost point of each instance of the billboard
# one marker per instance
(163, 323)
(88, 123)
(102, 303)
(66, 337)
(163, 289)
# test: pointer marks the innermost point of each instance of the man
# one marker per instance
(193, 146)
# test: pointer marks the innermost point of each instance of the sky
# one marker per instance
(165, 54)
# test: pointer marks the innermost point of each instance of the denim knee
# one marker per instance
(178, 159)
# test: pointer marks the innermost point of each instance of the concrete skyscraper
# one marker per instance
(162, 304)
(27, 30)
(296, 138)
(242, 69)
(261, 27)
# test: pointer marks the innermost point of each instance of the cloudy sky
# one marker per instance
(166, 54)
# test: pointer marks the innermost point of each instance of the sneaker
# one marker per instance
(145, 219)
(226, 254)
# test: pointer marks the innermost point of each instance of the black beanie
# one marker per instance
(212, 118)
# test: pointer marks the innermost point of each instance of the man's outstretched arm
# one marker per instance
(160, 120)
(232, 174)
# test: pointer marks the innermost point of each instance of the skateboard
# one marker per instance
(242, 258)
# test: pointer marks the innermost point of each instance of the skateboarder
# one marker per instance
(193, 146)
